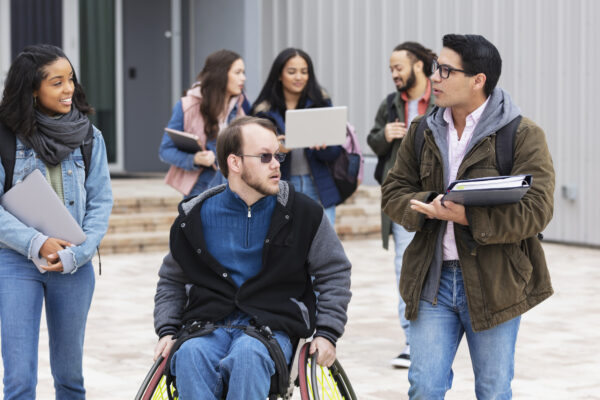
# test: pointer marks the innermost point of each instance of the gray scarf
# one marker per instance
(55, 138)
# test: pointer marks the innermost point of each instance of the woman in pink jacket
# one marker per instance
(213, 101)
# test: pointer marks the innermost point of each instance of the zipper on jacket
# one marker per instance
(248, 227)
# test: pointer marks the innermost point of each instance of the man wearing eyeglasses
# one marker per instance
(410, 64)
(241, 260)
(469, 270)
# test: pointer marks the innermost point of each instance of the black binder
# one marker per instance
(488, 191)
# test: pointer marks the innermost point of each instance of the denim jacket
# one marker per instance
(88, 200)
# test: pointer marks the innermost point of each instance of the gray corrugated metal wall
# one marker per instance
(548, 48)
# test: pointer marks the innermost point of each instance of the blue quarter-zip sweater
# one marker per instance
(235, 233)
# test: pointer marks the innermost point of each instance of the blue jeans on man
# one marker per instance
(227, 356)
(436, 334)
(402, 239)
(305, 184)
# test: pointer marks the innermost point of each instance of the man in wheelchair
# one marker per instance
(247, 261)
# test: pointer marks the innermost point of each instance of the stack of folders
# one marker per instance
(488, 191)
(36, 204)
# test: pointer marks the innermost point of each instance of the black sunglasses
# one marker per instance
(266, 158)
(445, 70)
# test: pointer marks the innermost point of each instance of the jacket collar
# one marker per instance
(283, 197)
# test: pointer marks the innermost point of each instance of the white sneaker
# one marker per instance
(403, 359)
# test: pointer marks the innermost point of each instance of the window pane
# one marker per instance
(97, 52)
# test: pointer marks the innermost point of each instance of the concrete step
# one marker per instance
(140, 222)
(130, 205)
(135, 242)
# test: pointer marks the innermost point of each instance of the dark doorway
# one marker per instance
(147, 82)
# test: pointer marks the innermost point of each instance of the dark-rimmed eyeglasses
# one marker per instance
(266, 158)
(445, 70)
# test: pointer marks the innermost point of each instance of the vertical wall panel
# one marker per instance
(550, 58)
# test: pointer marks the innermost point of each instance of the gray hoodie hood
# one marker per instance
(499, 111)
(186, 207)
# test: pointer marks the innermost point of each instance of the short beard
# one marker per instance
(411, 82)
(260, 187)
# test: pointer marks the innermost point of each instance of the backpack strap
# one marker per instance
(280, 380)
(86, 149)
(505, 140)
(392, 114)
(505, 144)
(8, 148)
(420, 137)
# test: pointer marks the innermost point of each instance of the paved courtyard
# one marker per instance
(558, 351)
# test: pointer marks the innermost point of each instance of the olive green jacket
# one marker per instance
(502, 261)
(380, 146)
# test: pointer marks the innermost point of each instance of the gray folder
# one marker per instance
(36, 204)
(489, 191)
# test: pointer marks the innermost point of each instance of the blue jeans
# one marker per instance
(436, 334)
(67, 300)
(304, 184)
(208, 178)
(227, 356)
(402, 239)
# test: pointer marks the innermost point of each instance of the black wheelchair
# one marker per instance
(315, 381)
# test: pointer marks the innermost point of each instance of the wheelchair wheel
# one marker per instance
(154, 386)
(320, 383)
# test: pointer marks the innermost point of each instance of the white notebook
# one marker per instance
(310, 127)
(36, 204)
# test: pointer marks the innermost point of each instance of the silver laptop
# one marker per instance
(315, 126)
(36, 204)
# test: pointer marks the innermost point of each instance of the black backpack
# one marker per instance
(8, 148)
(505, 140)
(346, 167)
(392, 115)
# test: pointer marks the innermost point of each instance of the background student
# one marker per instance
(292, 85)
(45, 108)
(213, 101)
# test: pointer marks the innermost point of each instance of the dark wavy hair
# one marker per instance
(17, 111)
(478, 55)
(213, 80)
(272, 91)
(418, 52)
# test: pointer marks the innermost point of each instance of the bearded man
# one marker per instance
(410, 65)
(248, 256)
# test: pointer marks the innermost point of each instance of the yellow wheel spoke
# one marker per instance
(326, 384)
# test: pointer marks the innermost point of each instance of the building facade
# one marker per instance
(136, 57)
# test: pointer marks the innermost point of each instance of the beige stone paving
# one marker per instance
(557, 356)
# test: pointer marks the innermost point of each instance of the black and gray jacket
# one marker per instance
(300, 243)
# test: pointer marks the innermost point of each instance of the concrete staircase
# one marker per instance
(144, 210)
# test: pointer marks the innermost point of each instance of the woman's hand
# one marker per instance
(321, 147)
(204, 158)
(49, 251)
(51, 247)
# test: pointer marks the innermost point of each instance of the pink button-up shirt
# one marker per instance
(456, 152)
